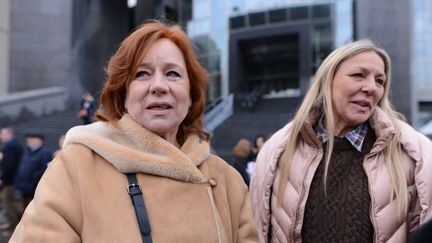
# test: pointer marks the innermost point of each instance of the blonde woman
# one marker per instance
(346, 169)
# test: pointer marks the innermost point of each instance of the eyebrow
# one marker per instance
(363, 69)
(168, 64)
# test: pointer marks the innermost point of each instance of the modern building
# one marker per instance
(273, 47)
(59, 43)
(4, 45)
(421, 61)
(394, 35)
(266, 47)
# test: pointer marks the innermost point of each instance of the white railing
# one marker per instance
(37, 102)
(219, 113)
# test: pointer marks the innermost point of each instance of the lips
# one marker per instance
(159, 106)
(363, 103)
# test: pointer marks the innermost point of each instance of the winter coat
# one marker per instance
(33, 165)
(240, 164)
(286, 221)
(12, 153)
(190, 195)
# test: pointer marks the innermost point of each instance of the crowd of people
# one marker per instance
(347, 168)
(21, 169)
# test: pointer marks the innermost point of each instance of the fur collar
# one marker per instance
(131, 149)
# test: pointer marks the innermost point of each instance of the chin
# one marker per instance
(162, 129)
(359, 120)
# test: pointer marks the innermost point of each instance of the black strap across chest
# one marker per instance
(134, 191)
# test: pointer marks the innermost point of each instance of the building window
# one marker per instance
(237, 22)
(298, 13)
(321, 11)
(257, 19)
(278, 15)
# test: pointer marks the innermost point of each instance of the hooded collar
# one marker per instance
(133, 149)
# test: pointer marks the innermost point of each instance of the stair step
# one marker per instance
(51, 127)
(266, 118)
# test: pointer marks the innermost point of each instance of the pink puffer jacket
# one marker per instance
(286, 221)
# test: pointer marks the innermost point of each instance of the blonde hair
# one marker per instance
(319, 97)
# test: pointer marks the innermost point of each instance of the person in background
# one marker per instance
(33, 164)
(87, 107)
(12, 152)
(242, 152)
(143, 171)
(259, 141)
(60, 144)
(345, 169)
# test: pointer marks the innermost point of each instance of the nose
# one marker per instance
(370, 86)
(158, 85)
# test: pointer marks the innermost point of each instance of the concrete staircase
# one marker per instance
(51, 127)
(266, 118)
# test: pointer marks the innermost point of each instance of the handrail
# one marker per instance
(218, 113)
(32, 103)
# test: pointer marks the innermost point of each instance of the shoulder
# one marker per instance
(45, 151)
(265, 166)
(272, 149)
(73, 154)
(13, 145)
(419, 148)
(414, 143)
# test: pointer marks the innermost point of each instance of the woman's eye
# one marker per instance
(173, 74)
(141, 74)
(380, 81)
(357, 75)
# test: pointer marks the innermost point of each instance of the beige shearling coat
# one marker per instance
(284, 224)
(190, 195)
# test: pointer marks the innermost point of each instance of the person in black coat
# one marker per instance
(33, 164)
(242, 156)
(12, 152)
(87, 107)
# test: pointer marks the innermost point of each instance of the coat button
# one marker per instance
(212, 182)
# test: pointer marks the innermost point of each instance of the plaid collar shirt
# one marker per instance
(355, 137)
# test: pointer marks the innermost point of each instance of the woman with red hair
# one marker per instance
(144, 171)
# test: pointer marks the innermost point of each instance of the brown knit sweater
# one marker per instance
(342, 216)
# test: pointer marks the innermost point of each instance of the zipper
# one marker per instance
(302, 195)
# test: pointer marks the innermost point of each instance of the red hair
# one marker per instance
(124, 64)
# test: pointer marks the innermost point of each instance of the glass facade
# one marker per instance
(422, 51)
(422, 58)
(213, 21)
(208, 30)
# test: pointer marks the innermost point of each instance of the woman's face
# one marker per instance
(259, 142)
(357, 88)
(159, 97)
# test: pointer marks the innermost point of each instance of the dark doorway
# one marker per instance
(270, 63)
